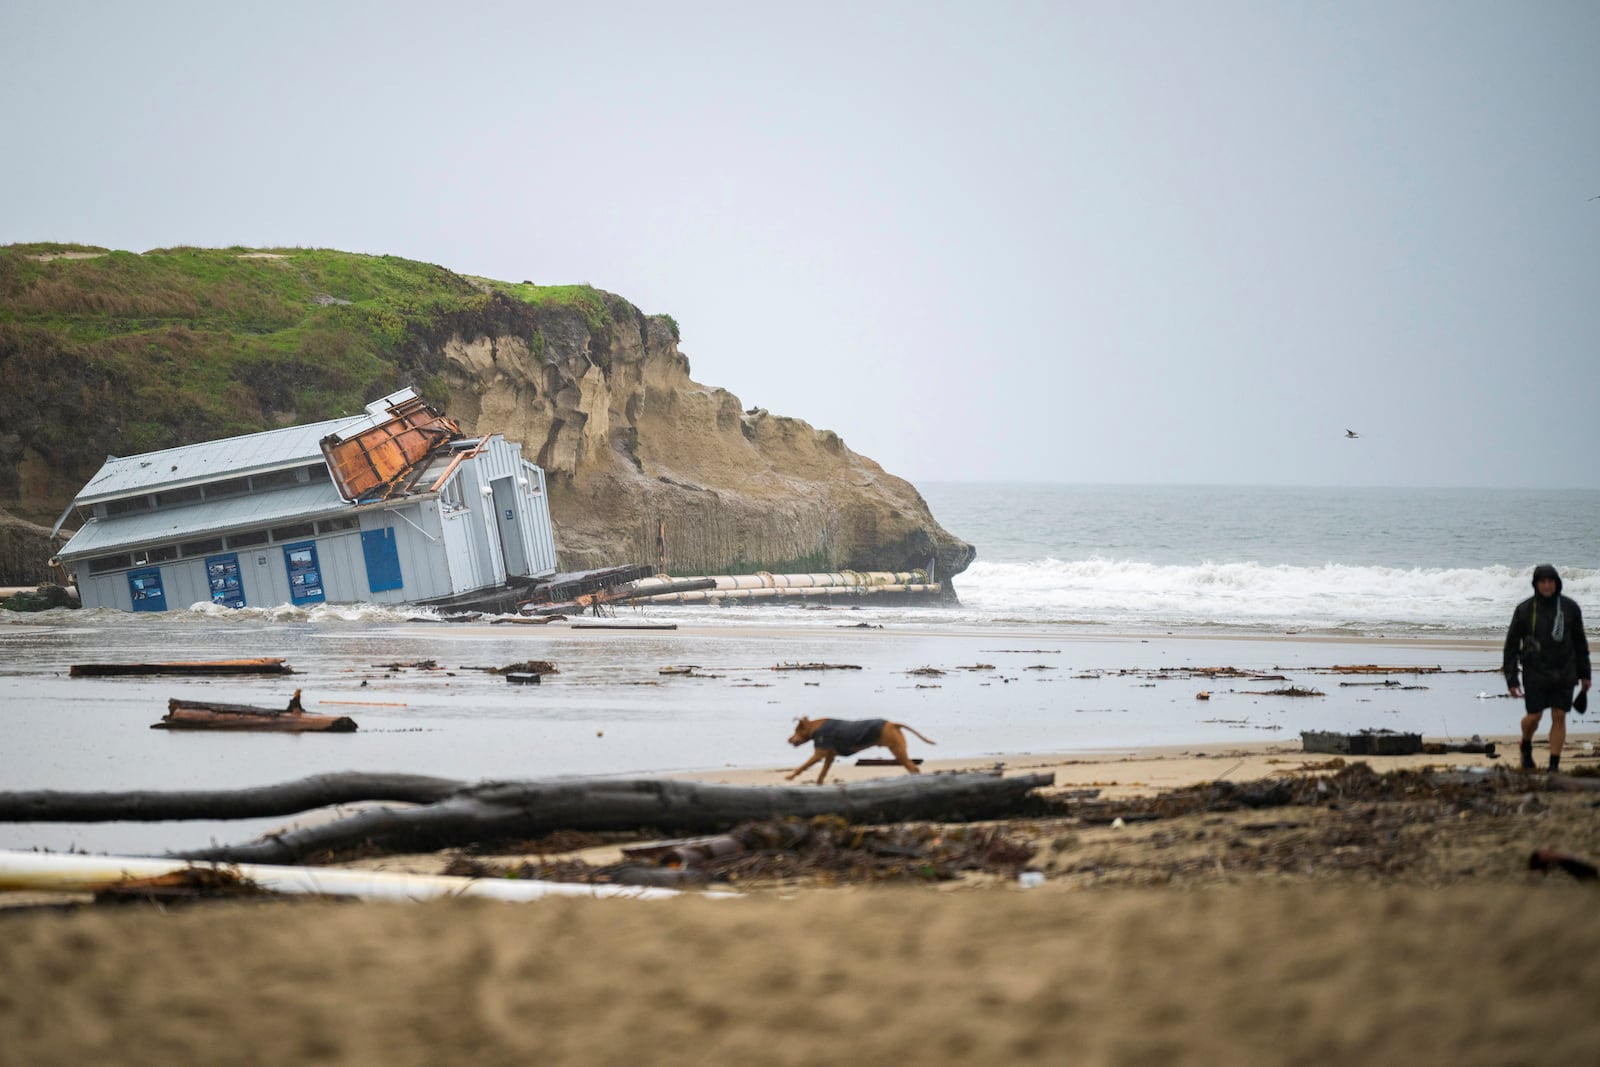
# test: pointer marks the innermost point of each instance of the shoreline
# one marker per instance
(1145, 770)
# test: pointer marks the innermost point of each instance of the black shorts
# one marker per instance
(1536, 698)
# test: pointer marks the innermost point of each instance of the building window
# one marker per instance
(201, 548)
(227, 487)
(343, 522)
(247, 539)
(275, 480)
(127, 504)
(173, 497)
(110, 563)
(159, 554)
(294, 532)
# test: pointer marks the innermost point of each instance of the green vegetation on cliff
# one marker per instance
(114, 353)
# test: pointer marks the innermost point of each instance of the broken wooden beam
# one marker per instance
(260, 665)
(186, 714)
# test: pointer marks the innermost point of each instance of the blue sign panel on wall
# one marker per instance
(305, 576)
(383, 559)
(145, 589)
(222, 574)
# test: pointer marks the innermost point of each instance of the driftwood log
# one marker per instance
(454, 814)
(260, 802)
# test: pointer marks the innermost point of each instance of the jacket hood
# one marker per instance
(1545, 570)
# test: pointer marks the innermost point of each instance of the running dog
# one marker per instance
(846, 737)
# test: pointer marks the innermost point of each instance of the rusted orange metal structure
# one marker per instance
(379, 462)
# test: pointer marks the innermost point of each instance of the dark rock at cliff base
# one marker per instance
(24, 550)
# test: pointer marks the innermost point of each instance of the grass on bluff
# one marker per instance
(181, 344)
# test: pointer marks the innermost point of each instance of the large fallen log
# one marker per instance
(510, 810)
(259, 802)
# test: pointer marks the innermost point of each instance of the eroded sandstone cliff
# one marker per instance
(633, 446)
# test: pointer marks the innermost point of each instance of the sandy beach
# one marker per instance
(1374, 922)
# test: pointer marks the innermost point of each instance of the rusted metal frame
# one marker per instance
(460, 458)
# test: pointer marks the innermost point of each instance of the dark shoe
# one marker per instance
(1527, 756)
(1555, 764)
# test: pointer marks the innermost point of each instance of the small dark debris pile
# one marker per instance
(826, 848)
(188, 884)
(1496, 793)
(530, 666)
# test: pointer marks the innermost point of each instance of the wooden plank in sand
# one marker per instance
(260, 665)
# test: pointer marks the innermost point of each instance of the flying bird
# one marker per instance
(1351, 433)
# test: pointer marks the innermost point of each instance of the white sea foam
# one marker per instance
(1329, 597)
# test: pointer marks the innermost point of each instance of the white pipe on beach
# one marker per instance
(797, 591)
(56, 872)
(765, 580)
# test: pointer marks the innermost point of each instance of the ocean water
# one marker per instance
(1271, 560)
(1369, 562)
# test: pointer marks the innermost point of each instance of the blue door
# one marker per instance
(145, 589)
(305, 576)
(383, 559)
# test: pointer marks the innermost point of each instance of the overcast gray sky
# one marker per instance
(1159, 242)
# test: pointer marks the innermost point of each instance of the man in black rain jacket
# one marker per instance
(1546, 637)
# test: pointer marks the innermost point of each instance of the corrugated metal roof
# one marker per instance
(206, 461)
(209, 460)
(190, 523)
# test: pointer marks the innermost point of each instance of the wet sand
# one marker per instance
(1119, 957)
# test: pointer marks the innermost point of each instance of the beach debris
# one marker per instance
(1040, 667)
(829, 848)
(926, 672)
(1284, 691)
(522, 678)
(976, 667)
(418, 665)
(1477, 747)
(184, 884)
(1387, 683)
(186, 714)
(527, 666)
(620, 624)
(693, 671)
(815, 667)
(1368, 742)
(1369, 668)
(1202, 695)
(1545, 860)
(260, 665)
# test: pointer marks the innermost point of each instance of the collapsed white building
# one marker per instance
(392, 506)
